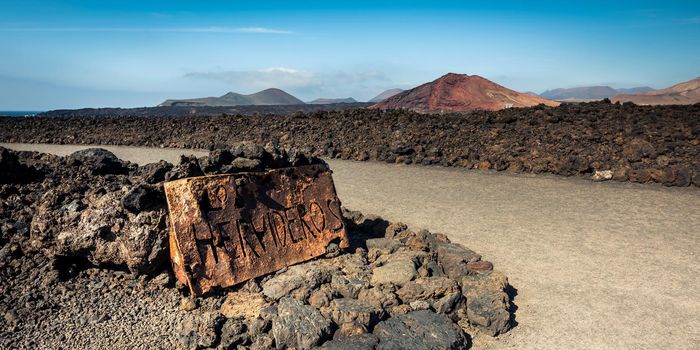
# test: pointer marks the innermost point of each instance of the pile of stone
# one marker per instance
(83, 246)
(397, 289)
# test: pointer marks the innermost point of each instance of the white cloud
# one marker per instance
(254, 30)
(262, 30)
(284, 77)
(279, 69)
(301, 83)
(280, 77)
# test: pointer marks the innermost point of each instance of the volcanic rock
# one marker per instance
(487, 302)
(154, 172)
(233, 333)
(357, 342)
(243, 305)
(299, 326)
(11, 170)
(350, 329)
(380, 297)
(297, 279)
(346, 310)
(198, 332)
(398, 272)
(98, 161)
(429, 289)
(419, 330)
(141, 198)
(96, 225)
(636, 149)
(454, 258)
(347, 287)
(460, 92)
(386, 245)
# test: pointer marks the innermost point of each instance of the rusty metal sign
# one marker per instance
(226, 229)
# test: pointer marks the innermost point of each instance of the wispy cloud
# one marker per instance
(254, 30)
(262, 30)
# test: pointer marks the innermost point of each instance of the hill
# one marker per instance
(327, 101)
(266, 97)
(384, 95)
(685, 93)
(589, 93)
(584, 93)
(635, 90)
(460, 92)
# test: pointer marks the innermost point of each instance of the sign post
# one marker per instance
(226, 229)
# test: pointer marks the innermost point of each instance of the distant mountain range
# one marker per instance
(680, 94)
(266, 97)
(327, 101)
(635, 90)
(384, 95)
(460, 92)
(589, 93)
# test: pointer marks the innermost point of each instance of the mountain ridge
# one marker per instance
(327, 101)
(687, 92)
(589, 93)
(267, 97)
(385, 94)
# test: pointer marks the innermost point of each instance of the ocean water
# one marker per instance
(18, 113)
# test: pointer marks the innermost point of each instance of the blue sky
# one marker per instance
(69, 54)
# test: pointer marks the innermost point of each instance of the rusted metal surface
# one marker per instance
(226, 229)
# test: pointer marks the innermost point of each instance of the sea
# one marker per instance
(19, 113)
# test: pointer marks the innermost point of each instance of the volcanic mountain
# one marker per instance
(460, 92)
(686, 93)
(634, 90)
(262, 98)
(590, 93)
(384, 95)
(327, 101)
(584, 93)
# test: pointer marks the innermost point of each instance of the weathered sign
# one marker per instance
(226, 229)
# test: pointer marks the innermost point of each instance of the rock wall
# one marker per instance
(621, 142)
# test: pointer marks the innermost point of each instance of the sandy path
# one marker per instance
(596, 265)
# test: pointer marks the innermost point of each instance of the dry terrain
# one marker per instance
(596, 265)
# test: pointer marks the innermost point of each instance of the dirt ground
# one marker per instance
(595, 265)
